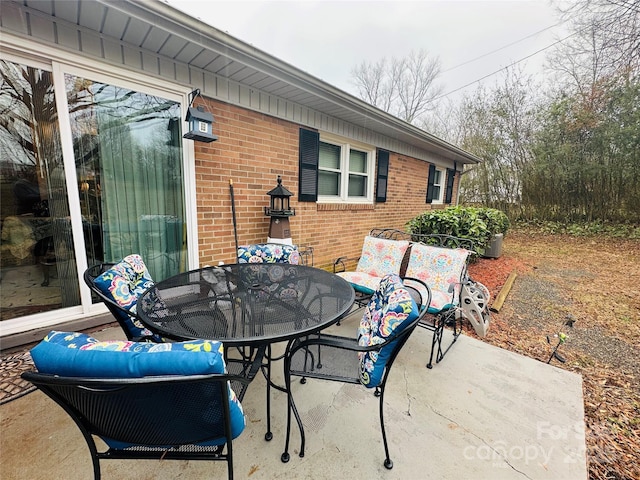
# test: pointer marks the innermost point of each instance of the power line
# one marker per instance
(508, 66)
(503, 47)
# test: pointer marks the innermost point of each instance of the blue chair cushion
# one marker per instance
(73, 354)
(390, 310)
(124, 283)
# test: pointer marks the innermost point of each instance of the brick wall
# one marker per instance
(252, 150)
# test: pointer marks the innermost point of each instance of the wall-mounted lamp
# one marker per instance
(200, 122)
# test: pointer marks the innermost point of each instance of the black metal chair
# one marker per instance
(341, 356)
(127, 319)
(135, 331)
(168, 417)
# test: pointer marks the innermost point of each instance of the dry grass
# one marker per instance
(588, 289)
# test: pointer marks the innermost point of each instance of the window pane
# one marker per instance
(329, 156)
(328, 183)
(436, 192)
(436, 179)
(357, 161)
(128, 153)
(39, 271)
(357, 186)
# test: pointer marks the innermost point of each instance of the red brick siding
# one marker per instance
(252, 150)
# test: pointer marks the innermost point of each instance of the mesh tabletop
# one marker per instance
(245, 304)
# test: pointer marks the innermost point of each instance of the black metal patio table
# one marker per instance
(247, 306)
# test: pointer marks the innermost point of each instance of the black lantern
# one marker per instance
(200, 123)
(279, 211)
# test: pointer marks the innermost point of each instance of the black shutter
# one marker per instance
(382, 176)
(432, 175)
(308, 165)
(451, 175)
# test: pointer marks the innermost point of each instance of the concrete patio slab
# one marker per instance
(482, 413)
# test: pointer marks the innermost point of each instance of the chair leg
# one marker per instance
(287, 384)
(229, 460)
(291, 407)
(442, 320)
(96, 468)
(95, 456)
(436, 340)
(387, 461)
(268, 435)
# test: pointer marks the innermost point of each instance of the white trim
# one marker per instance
(51, 318)
(346, 145)
(73, 195)
(442, 186)
(23, 47)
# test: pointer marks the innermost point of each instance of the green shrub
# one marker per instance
(478, 224)
(496, 220)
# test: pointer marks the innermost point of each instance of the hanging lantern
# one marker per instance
(200, 123)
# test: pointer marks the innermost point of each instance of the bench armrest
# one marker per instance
(340, 264)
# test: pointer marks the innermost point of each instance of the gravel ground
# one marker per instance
(588, 289)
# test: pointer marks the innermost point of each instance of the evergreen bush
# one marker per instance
(478, 224)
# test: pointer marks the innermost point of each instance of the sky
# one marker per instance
(327, 39)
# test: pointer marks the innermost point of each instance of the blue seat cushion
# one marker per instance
(389, 311)
(73, 354)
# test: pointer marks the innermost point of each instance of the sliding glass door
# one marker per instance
(37, 256)
(128, 155)
(128, 168)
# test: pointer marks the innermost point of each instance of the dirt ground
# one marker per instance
(589, 290)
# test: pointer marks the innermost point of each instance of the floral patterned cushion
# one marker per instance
(361, 282)
(124, 283)
(381, 257)
(441, 269)
(390, 310)
(268, 253)
(73, 354)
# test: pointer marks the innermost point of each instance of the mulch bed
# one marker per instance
(557, 290)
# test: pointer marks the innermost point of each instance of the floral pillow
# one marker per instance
(390, 310)
(381, 256)
(124, 283)
(441, 269)
(268, 253)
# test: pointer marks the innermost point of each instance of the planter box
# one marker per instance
(494, 250)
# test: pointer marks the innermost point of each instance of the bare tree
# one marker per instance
(497, 125)
(605, 42)
(403, 87)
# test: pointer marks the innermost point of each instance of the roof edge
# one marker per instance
(268, 63)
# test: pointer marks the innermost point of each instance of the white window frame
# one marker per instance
(346, 145)
(442, 185)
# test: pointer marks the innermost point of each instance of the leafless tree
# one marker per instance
(404, 87)
(604, 43)
(497, 125)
